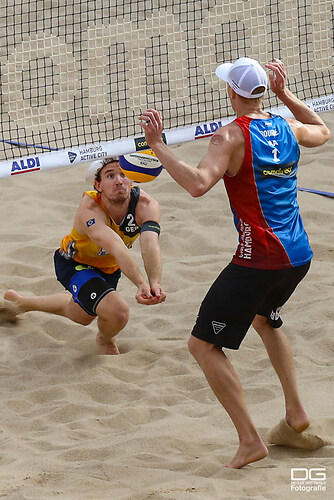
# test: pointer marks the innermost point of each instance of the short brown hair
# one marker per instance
(106, 161)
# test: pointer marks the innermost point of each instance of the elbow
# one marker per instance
(197, 191)
(325, 137)
(328, 135)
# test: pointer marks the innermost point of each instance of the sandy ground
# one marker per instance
(144, 425)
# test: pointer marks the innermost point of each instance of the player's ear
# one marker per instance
(97, 186)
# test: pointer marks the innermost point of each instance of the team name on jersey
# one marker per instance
(246, 240)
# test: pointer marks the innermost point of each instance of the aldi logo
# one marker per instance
(25, 165)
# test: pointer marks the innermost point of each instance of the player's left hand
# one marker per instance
(157, 291)
(144, 296)
(151, 122)
(278, 77)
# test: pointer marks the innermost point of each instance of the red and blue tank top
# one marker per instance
(263, 197)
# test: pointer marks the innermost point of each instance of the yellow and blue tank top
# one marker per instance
(263, 197)
(81, 248)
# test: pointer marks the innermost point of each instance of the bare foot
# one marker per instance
(9, 310)
(298, 421)
(284, 435)
(247, 454)
(16, 298)
(105, 347)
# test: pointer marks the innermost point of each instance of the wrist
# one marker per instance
(285, 94)
(140, 281)
(154, 282)
(157, 145)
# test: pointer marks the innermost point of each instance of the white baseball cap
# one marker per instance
(94, 167)
(244, 76)
(92, 171)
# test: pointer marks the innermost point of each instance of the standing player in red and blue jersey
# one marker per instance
(257, 156)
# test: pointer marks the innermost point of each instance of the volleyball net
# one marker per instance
(76, 74)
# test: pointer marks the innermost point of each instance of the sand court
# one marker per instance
(144, 425)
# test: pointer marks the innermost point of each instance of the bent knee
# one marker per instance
(113, 307)
(121, 315)
(199, 348)
(259, 322)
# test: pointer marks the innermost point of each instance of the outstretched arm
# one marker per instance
(150, 250)
(91, 221)
(148, 216)
(308, 128)
(197, 181)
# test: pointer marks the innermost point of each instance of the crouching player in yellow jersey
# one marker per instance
(91, 258)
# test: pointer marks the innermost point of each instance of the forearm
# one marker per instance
(151, 255)
(186, 176)
(299, 109)
(126, 263)
(131, 270)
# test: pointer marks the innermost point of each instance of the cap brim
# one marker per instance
(222, 71)
(91, 171)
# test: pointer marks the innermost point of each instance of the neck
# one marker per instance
(116, 209)
(252, 111)
(247, 107)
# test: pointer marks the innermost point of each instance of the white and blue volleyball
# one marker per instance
(142, 166)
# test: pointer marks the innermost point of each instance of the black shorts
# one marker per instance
(237, 295)
(87, 284)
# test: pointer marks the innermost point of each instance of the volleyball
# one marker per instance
(142, 166)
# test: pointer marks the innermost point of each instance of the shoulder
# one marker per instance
(226, 150)
(91, 200)
(147, 208)
(228, 135)
(294, 124)
(88, 210)
(91, 206)
(145, 198)
(231, 130)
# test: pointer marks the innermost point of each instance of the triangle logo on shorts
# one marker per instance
(217, 327)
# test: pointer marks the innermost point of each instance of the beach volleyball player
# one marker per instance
(257, 156)
(91, 258)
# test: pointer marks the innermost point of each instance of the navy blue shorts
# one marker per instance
(88, 285)
(237, 295)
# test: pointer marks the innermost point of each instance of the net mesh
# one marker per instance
(76, 72)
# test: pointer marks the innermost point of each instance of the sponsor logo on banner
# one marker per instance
(323, 104)
(207, 129)
(72, 156)
(94, 152)
(311, 480)
(141, 144)
(25, 165)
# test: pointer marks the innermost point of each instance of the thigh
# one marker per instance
(76, 313)
(112, 304)
(229, 307)
(280, 285)
(88, 285)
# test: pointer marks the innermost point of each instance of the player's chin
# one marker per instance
(120, 195)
